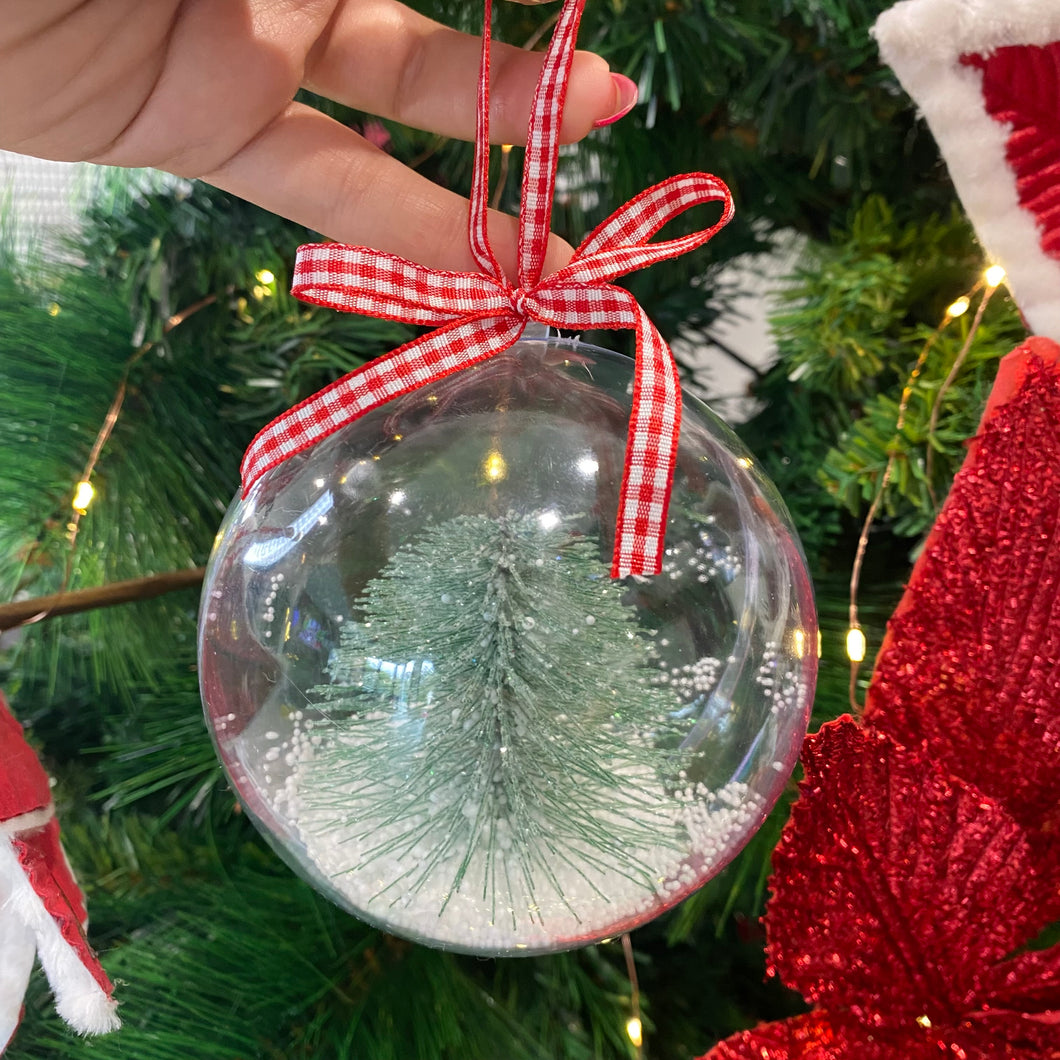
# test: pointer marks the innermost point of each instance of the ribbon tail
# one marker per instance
(362, 280)
(651, 453)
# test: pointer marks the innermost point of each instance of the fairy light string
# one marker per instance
(958, 361)
(993, 277)
(84, 491)
(634, 1026)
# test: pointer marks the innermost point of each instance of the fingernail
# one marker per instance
(625, 99)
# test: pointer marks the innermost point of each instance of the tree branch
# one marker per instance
(23, 612)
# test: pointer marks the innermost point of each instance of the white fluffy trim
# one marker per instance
(17, 947)
(79, 999)
(922, 41)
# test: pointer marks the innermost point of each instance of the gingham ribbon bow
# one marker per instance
(479, 315)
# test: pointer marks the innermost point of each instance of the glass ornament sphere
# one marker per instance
(432, 698)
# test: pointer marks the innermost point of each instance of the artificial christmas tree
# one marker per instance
(201, 923)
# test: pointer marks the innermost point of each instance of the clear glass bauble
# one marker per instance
(432, 698)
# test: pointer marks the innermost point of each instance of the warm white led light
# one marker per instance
(495, 466)
(995, 275)
(635, 1031)
(855, 644)
(83, 496)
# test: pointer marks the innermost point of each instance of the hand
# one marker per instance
(204, 88)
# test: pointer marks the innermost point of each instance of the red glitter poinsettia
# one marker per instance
(970, 665)
(916, 871)
(899, 895)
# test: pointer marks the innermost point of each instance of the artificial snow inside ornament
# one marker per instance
(434, 699)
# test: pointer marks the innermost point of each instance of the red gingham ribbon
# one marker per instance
(478, 315)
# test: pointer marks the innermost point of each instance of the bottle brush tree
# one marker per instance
(495, 729)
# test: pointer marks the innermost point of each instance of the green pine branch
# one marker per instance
(212, 936)
(212, 939)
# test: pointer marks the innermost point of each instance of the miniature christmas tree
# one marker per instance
(494, 727)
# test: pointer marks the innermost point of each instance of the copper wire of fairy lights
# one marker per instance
(993, 277)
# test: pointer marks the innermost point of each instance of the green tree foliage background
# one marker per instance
(218, 951)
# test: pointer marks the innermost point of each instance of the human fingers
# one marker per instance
(319, 173)
(383, 58)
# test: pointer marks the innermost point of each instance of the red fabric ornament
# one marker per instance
(914, 870)
(1020, 88)
(42, 909)
(985, 75)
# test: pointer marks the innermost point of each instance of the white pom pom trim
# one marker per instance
(79, 999)
(923, 41)
(17, 949)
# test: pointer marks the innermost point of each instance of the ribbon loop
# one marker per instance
(361, 280)
(542, 145)
(582, 306)
(620, 244)
(478, 212)
(479, 315)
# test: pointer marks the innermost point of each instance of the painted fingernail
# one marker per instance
(625, 98)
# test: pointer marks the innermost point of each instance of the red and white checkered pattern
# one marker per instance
(542, 145)
(480, 177)
(479, 315)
